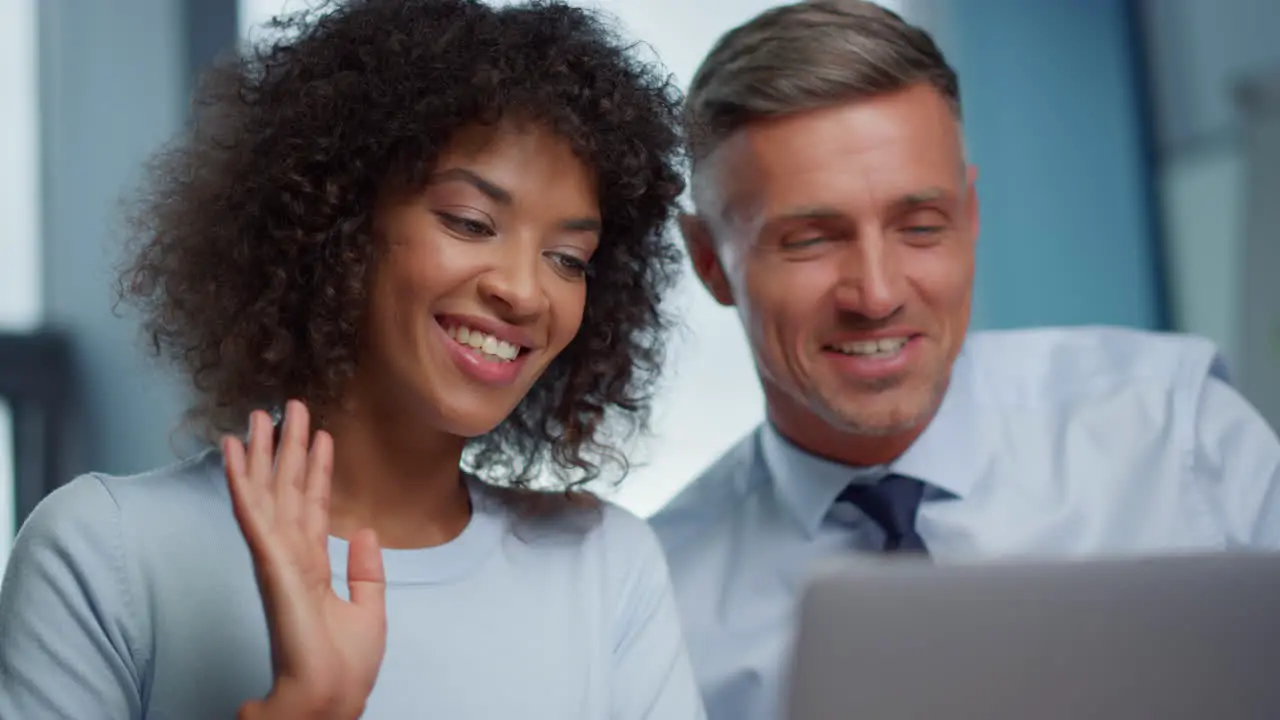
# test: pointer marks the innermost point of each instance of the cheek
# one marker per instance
(420, 272)
(945, 282)
(568, 303)
(406, 284)
(785, 301)
(409, 297)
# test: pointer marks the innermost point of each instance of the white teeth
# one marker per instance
(484, 343)
(884, 347)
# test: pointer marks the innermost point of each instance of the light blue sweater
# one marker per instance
(134, 597)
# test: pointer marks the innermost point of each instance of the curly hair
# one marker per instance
(254, 246)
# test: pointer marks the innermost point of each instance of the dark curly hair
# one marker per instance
(254, 246)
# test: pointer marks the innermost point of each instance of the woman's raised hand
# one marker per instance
(325, 650)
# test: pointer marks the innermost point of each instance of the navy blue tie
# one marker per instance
(892, 503)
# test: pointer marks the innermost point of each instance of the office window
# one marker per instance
(710, 396)
(20, 210)
(6, 484)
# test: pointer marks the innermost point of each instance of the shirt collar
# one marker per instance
(947, 456)
(805, 484)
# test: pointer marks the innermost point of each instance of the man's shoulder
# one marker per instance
(714, 493)
(1069, 362)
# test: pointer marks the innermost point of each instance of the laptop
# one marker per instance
(1164, 638)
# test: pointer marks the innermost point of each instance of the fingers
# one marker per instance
(233, 464)
(261, 449)
(366, 580)
(285, 497)
(266, 481)
(291, 461)
(315, 504)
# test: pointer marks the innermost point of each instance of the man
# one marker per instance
(834, 209)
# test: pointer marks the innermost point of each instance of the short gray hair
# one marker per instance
(806, 56)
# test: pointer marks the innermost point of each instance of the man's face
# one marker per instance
(845, 238)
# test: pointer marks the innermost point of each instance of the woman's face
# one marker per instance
(483, 280)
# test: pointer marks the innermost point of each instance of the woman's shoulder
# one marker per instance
(103, 523)
(94, 494)
(101, 563)
(120, 538)
(93, 498)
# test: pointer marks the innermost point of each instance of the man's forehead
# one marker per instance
(734, 190)
(897, 144)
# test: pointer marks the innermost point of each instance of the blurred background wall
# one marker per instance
(1214, 68)
(1119, 162)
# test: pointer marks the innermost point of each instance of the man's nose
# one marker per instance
(871, 283)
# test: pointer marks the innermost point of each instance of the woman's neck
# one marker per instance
(396, 475)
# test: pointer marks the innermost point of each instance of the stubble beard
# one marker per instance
(852, 416)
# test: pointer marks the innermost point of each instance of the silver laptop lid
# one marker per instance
(1166, 638)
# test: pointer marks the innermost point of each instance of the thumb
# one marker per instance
(366, 579)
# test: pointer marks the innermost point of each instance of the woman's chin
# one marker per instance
(471, 422)
(471, 431)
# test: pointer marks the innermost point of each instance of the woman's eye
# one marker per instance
(572, 266)
(466, 226)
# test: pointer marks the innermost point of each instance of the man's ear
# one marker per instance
(702, 254)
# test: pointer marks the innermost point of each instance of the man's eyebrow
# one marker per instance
(804, 213)
(814, 212)
(922, 197)
(822, 212)
(493, 191)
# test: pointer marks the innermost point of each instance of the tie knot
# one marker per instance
(892, 503)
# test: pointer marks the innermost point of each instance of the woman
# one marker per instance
(428, 237)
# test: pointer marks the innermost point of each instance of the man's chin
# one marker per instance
(875, 427)
(882, 414)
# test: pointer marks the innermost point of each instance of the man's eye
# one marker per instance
(803, 241)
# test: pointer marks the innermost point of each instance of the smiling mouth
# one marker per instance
(877, 349)
(483, 345)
